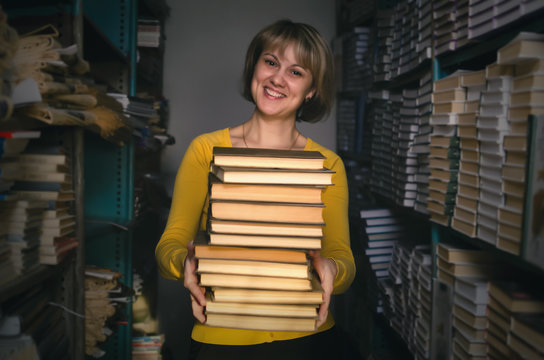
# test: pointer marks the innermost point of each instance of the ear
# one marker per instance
(310, 95)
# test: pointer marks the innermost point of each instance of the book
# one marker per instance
(20, 134)
(519, 346)
(454, 254)
(525, 46)
(267, 323)
(218, 226)
(257, 296)
(533, 227)
(517, 297)
(203, 250)
(276, 310)
(62, 244)
(272, 176)
(270, 193)
(254, 282)
(267, 211)
(529, 327)
(253, 267)
(272, 241)
(267, 158)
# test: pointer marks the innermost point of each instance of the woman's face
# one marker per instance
(280, 84)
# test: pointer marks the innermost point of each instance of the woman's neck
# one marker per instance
(271, 133)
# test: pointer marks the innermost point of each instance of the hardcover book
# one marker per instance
(267, 211)
(273, 176)
(267, 158)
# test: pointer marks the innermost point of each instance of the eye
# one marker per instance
(296, 73)
(270, 62)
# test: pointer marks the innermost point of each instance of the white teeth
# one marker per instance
(273, 93)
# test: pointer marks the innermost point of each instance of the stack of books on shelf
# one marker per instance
(382, 62)
(467, 271)
(382, 229)
(481, 19)
(356, 59)
(449, 100)
(382, 148)
(46, 183)
(420, 145)
(353, 127)
(464, 217)
(147, 347)
(524, 54)
(424, 30)
(533, 236)
(460, 261)
(32, 322)
(265, 214)
(449, 17)
(149, 32)
(104, 301)
(406, 164)
(514, 326)
(407, 297)
(486, 16)
(470, 297)
(21, 221)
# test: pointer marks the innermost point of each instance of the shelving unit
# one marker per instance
(103, 172)
(382, 189)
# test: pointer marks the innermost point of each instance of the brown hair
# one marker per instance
(311, 50)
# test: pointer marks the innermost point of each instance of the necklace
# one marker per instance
(245, 143)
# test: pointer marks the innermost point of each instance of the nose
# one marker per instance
(278, 78)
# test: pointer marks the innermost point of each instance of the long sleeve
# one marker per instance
(336, 239)
(189, 206)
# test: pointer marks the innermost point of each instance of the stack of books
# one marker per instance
(381, 231)
(149, 32)
(458, 261)
(265, 213)
(32, 313)
(147, 347)
(103, 302)
(385, 21)
(357, 74)
(45, 182)
(22, 223)
(420, 145)
(407, 296)
(509, 303)
(381, 152)
(424, 30)
(470, 297)
(449, 100)
(524, 54)
(464, 214)
(445, 26)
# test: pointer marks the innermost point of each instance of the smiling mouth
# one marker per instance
(273, 93)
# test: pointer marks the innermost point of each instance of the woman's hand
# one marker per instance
(190, 281)
(326, 269)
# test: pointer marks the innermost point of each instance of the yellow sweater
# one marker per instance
(188, 214)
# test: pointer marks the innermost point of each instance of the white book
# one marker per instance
(500, 83)
(473, 289)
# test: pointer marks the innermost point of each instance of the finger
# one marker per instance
(198, 310)
(198, 294)
(190, 249)
(323, 312)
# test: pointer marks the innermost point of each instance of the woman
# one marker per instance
(288, 75)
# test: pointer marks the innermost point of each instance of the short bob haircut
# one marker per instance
(313, 53)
